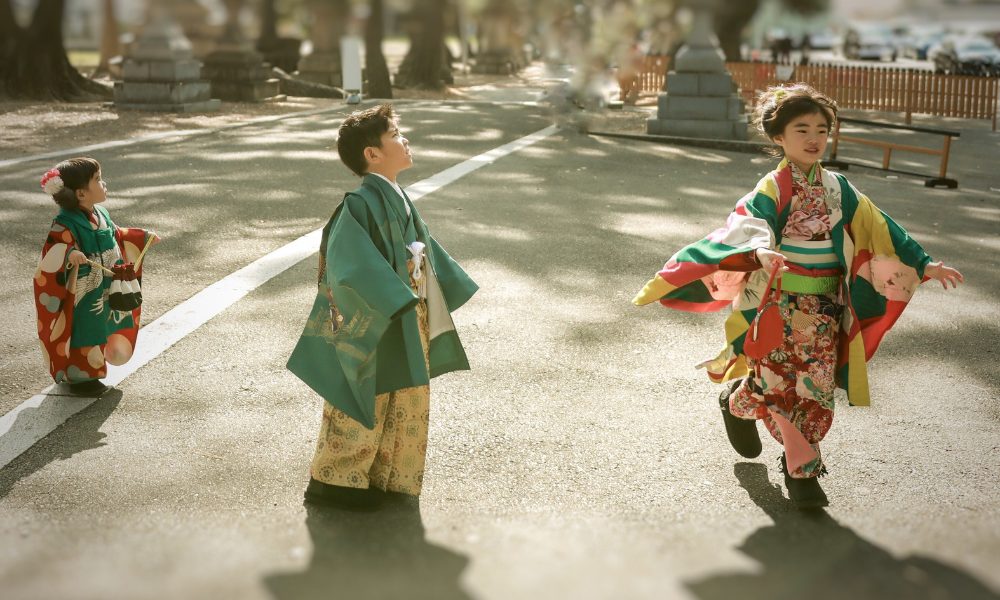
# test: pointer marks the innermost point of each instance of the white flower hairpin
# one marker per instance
(52, 183)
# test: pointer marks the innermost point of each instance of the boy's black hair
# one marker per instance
(76, 174)
(363, 129)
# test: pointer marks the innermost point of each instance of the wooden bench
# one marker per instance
(887, 148)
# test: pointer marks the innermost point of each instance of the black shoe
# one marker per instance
(324, 494)
(805, 493)
(93, 388)
(742, 432)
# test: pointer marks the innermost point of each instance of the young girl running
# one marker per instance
(846, 272)
(77, 326)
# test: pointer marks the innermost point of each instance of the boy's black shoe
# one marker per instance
(93, 388)
(742, 432)
(324, 494)
(805, 493)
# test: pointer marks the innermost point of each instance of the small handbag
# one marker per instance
(124, 294)
(767, 330)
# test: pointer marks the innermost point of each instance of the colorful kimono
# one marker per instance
(830, 334)
(76, 326)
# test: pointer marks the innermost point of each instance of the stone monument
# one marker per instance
(701, 100)
(161, 74)
(238, 72)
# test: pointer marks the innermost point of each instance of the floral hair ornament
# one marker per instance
(52, 183)
(779, 94)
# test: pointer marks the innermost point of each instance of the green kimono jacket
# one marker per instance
(362, 336)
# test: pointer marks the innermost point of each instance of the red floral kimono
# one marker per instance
(78, 331)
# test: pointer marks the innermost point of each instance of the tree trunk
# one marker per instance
(729, 24)
(281, 52)
(379, 83)
(110, 45)
(34, 64)
(424, 66)
(268, 24)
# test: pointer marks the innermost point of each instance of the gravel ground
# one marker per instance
(34, 128)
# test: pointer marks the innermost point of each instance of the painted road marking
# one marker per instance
(36, 417)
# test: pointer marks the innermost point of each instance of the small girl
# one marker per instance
(79, 331)
(847, 272)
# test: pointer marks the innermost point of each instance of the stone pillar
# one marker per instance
(323, 64)
(238, 72)
(701, 99)
(161, 73)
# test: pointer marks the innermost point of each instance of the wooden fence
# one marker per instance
(650, 75)
(862, 88)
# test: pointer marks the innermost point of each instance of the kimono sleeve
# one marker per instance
(456, 285)
(54, 301)
(886, 237)
(708, 274)
(132, 240)
(886, 269)
(359, 297)
(359, 276)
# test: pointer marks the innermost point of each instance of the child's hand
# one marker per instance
(76, 258)
(769, 259)
(944, 274)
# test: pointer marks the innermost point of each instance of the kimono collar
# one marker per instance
(811, 177)
(393, 185)
(80, 219)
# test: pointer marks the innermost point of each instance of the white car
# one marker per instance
(869, 43)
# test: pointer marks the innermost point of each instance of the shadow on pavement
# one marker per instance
(811, 555)
(79, 433)
(381, 554)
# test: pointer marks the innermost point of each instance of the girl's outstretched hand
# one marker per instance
(76, 258)
(769, 258)
(944, 274)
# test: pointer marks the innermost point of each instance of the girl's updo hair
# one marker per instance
(76, 174)
(777, 106)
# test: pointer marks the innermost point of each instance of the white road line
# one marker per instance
(435, 182)
(36, 417)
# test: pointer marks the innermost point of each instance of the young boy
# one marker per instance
(380, 327)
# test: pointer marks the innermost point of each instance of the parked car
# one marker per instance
(973, 55)
(869, 43)
(918, 39)
(823, 39)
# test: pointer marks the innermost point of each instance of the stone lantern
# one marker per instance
(701, 100)
(237, 71)
(161, 73)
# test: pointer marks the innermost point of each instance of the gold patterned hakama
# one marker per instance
(390, 456)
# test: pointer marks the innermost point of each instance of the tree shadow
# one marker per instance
(811, 555)
(79, 433)
(372, 555)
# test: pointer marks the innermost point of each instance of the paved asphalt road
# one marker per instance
(582, 457)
